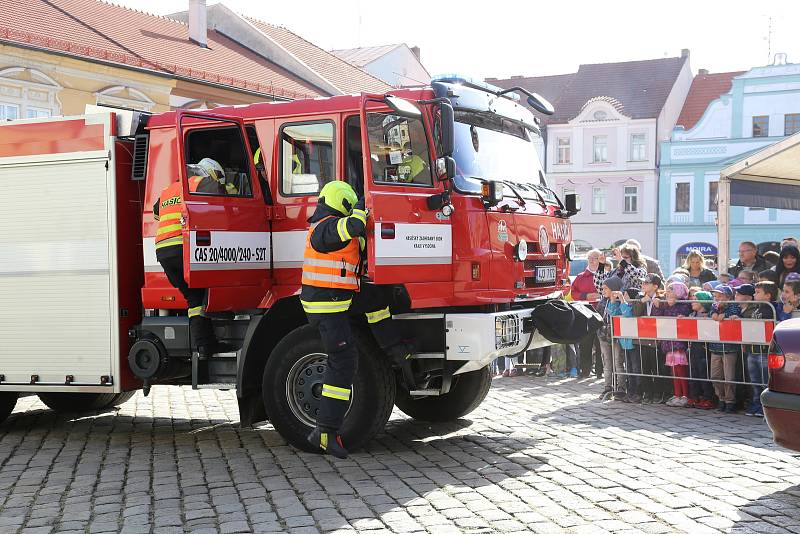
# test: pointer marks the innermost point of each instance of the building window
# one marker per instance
(638, 147)
(791, 123)
(8, 112)
(27, 93)
(631, 197)
(600, 149)
(712, 196)
(124, 97)
(682, 197)
(761, 126)
(598, 200)
(564, 155)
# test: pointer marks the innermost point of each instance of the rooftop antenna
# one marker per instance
(769, 41)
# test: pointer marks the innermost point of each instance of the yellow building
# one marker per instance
(58, 56)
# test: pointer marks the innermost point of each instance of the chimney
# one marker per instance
(198, 31)
(415, 51)
(685, 52)
(702, 72)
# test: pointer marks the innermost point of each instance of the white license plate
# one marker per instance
(545, 274)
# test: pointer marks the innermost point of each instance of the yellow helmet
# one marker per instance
(339, 196)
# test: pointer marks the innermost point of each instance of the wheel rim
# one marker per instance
(304, 387)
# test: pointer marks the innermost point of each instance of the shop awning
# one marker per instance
(769, 178)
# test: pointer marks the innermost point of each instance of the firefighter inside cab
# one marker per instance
(332, 291)
(207, 176)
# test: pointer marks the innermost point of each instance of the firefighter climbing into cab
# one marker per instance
(206, 176)
(333, 291)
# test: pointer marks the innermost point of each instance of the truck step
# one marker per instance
(410, 316)
(214, 386)
(425, 393)
(428, 356)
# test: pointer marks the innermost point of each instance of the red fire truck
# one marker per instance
(463, 228)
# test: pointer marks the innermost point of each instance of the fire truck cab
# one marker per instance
(462, 228)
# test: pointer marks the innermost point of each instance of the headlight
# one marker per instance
(521, 250)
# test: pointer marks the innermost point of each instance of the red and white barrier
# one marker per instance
(693, 329)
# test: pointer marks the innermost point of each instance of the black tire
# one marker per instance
(83, 402)
(8, 400)
(300, 351)
(466, 393)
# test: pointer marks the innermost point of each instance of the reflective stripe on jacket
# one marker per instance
(170, 203)
(337, 269)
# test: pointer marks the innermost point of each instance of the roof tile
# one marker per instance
(116, 34)
(363, 56)
(345, 76)
(705, 88)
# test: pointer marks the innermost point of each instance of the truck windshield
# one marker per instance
(490, 147)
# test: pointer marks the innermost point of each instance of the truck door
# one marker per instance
(227, 237)
(409, 241)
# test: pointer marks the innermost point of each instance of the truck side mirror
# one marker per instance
(445, 168)
(446, 129)
(572, 204)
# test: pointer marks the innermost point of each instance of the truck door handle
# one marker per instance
(203, 238)
(387, 230)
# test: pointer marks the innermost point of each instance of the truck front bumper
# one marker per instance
(478, 338)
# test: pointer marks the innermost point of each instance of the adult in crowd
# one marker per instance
(583, 288)
(652, 264)
(631, 269)
(788, 263)
(698, 273)
(749, 258)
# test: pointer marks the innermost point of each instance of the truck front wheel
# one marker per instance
(8, 400)
(83, 402)
(292, 385)
(466, 392)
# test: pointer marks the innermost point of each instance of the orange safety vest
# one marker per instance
(337, 269)
(169, 233)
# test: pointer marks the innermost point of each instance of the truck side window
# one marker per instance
(210, 149)
(354, 166)
(307, 157)
(399, 150)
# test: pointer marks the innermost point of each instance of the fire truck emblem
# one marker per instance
(502, 230)
(544, 241)
(560, 231)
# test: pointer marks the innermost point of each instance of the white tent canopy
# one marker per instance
(769, 178)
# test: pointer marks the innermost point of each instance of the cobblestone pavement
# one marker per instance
(538, 455)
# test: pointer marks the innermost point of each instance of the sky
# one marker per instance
(535, 38)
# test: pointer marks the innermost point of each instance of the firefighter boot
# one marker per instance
(328, 441)
(401, 354)
(201, 329)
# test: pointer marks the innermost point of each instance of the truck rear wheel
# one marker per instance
(292, 385)
(8, 400)
(466, 393)
(83, 402)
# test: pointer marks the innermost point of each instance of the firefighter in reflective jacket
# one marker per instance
(209, 178)
(331, 292)
(169, 251)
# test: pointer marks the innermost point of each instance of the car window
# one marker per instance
(399, 150)
(307, 157)
(217, 162)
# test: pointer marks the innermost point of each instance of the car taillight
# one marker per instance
(775, 358)
(775, 361)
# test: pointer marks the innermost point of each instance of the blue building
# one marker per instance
(725, 117)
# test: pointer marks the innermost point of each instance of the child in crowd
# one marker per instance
(765, 293)
(701, 392)
(675, 351)
(654, 389)
(790, 296)
(618, 305)
(724, 278)
(768, 276)
(746, 276)
(613, 360)
(723, 356)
